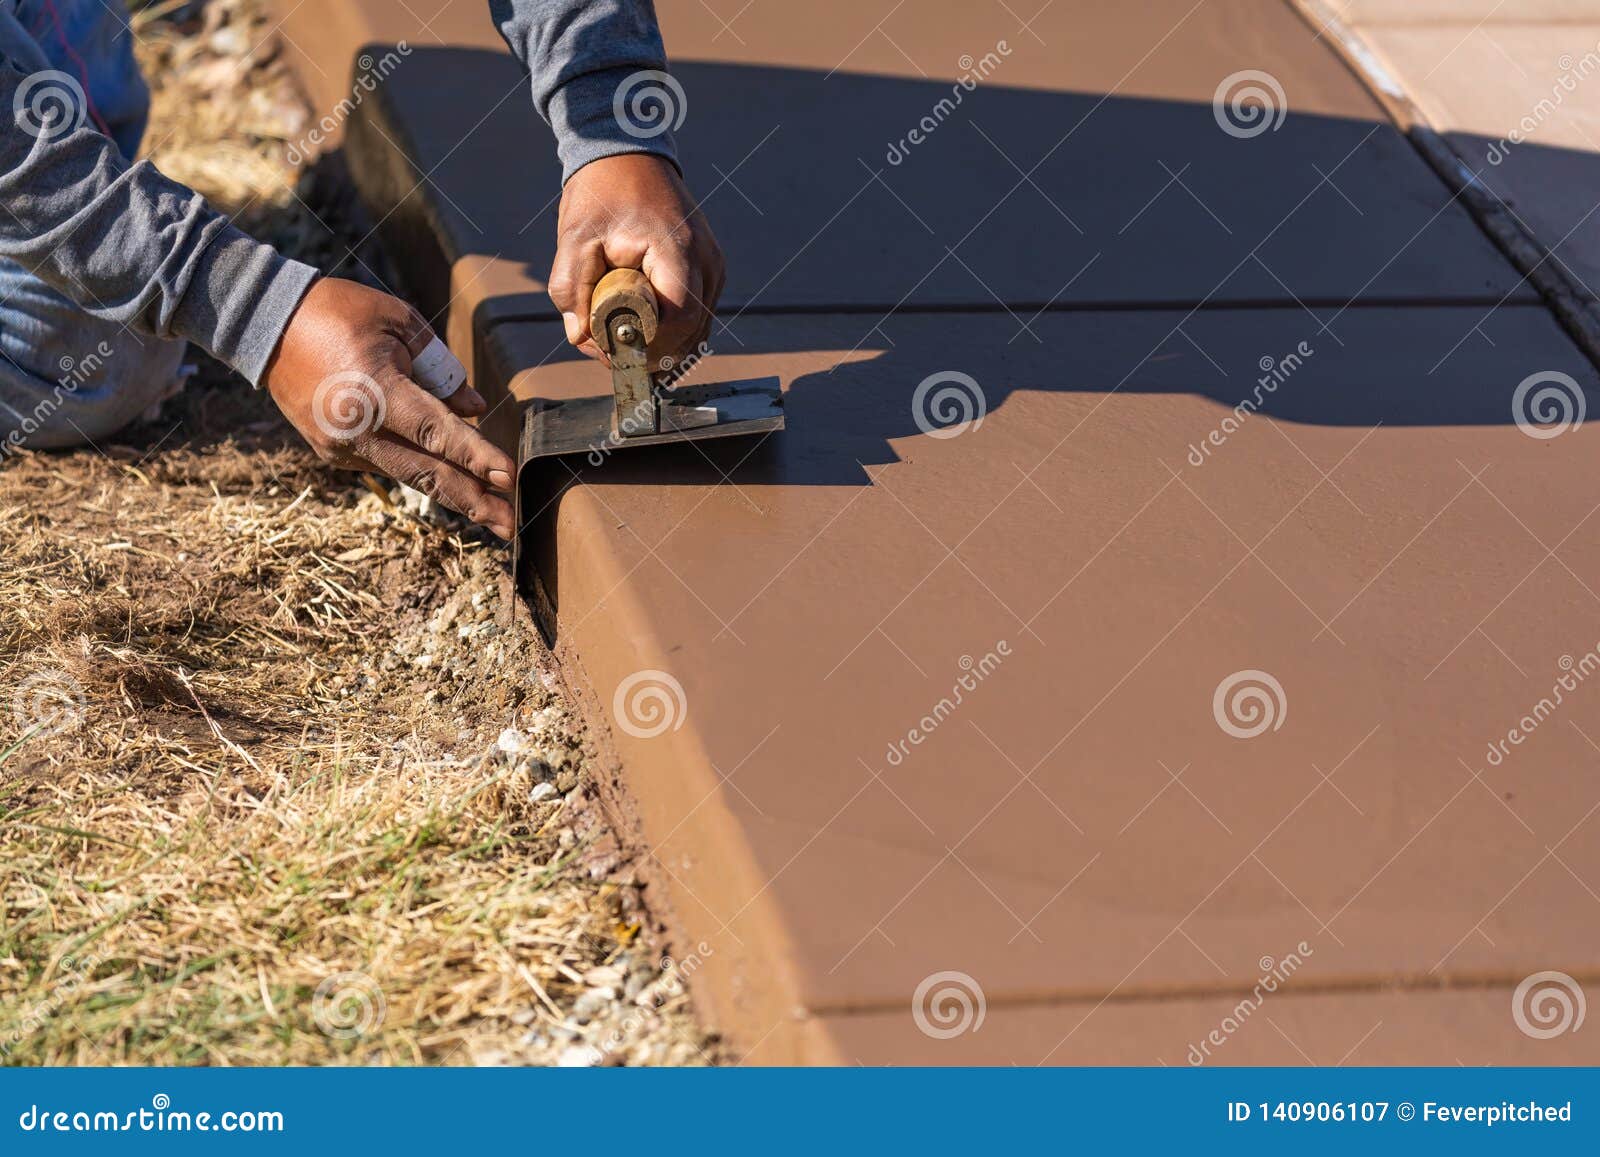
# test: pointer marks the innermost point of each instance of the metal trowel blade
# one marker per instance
(589, 425)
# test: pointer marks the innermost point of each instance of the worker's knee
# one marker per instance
(56, 398)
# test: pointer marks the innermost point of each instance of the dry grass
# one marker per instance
(223, 105)
(258, 803)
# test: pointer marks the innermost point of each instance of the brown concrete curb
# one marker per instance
(611, 587)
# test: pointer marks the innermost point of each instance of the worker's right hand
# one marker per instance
(633, 211)
(341, 375)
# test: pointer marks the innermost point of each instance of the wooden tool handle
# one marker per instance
(623, 289)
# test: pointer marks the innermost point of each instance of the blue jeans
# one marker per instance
(67, 377)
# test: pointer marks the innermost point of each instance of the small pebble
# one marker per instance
(230, 41)
(593, 1002)
(542, 792)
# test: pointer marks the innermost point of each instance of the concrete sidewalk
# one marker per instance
(1115, 659)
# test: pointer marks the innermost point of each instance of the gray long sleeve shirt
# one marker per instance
(132, 246)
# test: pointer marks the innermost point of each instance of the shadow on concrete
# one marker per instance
(1551, 192)
(1036, 240)
(858, 191)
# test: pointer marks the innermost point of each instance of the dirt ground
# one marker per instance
(282, 777)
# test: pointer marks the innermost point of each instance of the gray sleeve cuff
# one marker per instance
(614, 111)
(240, 299)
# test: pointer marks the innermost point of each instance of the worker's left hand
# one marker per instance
(633, 211)
(342, 373)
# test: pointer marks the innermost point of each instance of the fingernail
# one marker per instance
(500, 478)
(574, 330)
(504, 532)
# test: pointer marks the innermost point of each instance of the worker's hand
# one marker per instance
(633, 211)
(341, 375)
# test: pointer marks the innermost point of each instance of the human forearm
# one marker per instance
(580, 54)
(130, 245)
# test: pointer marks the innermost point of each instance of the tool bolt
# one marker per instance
(627, 334)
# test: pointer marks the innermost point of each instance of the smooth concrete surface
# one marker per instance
(1382, 1028)
(1466, 13)
(1376, 539)
(1080, 169)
